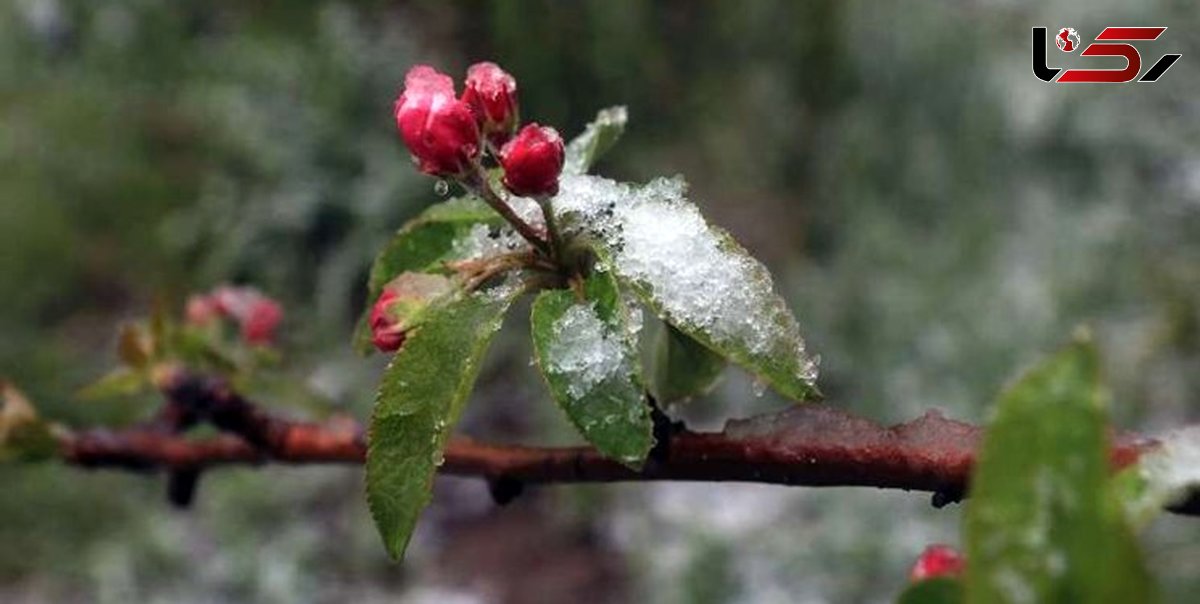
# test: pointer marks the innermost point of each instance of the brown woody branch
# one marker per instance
(810, 445)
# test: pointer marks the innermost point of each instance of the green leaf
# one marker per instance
(117, 383)
(600, 135)
(933, 591)
(1043, 523)
(683, 367)
(692, 275)
(420, 398)
(468, 208)
(422, 245)
(585, 351)
(197, 348)
(24, 436)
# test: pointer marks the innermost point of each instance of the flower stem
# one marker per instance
(478, 181)
(556, 243)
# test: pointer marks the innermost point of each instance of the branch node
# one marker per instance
(664, 429)
(505, 489)
(181, 486)
(941, 499)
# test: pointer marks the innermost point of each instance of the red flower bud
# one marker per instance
(400, 307)
(387, 332)
(439, 130)
(492, 94)
(532, 161)
(260, 322)
(937, 561)
(257, 315)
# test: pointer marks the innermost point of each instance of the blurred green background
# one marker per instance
(936, 216)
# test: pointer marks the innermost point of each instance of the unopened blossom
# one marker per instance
(532, 161)
(491, 93)
(439, 130)
(258, 317)
(937, 561)
(387, 331)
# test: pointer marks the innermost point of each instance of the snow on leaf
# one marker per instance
(482, 241)
(696, 277)
(584, 350)
(588, 356)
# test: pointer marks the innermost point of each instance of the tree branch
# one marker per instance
(810, 445)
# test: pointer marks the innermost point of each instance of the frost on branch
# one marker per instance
(931, 439)
(695, 276)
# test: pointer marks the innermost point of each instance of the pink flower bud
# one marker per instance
(201, 310)
(532, 161)
(230, 301)
(261, 320)
(492, 94)
(257, 315)
(401, 306)
(439, 130)
(937, 561)
(387, 331)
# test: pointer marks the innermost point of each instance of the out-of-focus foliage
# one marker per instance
(1043, 522)
(934, 214)
(23, 435)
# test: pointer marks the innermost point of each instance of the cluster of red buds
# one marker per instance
(937, 561)
(448, 136)
(256, 315)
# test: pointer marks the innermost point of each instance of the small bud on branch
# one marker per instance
(439, 130)
(533, 161)
(491, 93)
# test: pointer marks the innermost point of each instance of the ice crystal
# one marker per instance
(585, 350)
(482, 241)
(527, 209)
